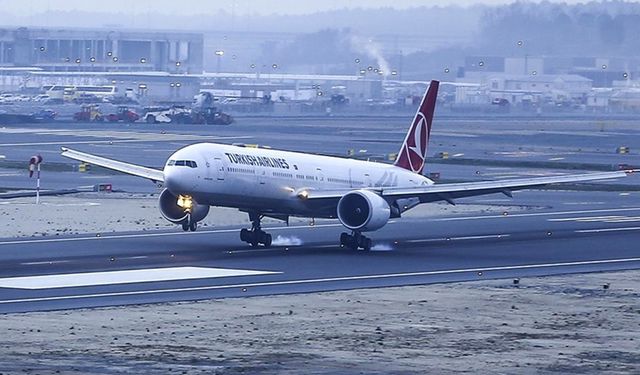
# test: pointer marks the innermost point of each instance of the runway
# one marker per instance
(87, 271)
(564, 232)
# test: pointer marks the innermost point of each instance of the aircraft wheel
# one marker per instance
(245, 235)
(344, 239)
(185, 227)
(366, 243)
(266, 240)
(193, 226)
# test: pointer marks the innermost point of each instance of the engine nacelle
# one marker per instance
(363, 210)
(176, 209)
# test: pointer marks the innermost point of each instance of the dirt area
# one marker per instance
(545, 325)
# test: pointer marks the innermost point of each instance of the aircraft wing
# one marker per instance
(449, 192)
(132, 169)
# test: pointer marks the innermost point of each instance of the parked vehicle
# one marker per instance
(121, 100)
(41, 98)
(123, 114)
(210, 116)
(7, 98)
(89, 113)
(87, 99)
(204, 112)
(166, 115)
(44, 115)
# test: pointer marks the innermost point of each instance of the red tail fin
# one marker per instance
(413, 152)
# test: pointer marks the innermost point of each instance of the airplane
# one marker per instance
(362, 195)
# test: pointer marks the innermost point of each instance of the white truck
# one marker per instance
(175, 114)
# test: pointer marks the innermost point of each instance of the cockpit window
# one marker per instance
(183, 163)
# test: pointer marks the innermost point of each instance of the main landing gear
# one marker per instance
(355, 241)
(189, 225)
(256, 236)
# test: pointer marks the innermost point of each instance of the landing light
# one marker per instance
(304, 194)
(185, 201)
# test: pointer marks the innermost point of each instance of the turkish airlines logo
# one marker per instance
(416, 146)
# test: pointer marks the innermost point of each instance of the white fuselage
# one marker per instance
(273, 181)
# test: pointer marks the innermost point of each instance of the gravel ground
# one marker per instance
(557, 325)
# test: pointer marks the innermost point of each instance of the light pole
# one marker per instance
(219, 53)
(520, 44)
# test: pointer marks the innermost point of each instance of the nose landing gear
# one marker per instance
(355, 241)
(189, 225)
(255, 236)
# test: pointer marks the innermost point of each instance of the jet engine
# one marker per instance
(363, 211)
(181, 209)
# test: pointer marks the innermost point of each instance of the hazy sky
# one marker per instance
(239, 7)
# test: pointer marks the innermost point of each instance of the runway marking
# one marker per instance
(460, 238)
(602, 219)
(538, 214)
(162, 234)
(73, 280)
(323, 280)
(607, 230)
(581, 203)
(44, 262)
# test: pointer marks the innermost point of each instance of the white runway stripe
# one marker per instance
(313, 281)
(44, 262)
(460, 238)
(72, 280)
(607, 230)
(602, 219)
(539, 214)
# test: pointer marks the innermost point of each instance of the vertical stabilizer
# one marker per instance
(413, 152)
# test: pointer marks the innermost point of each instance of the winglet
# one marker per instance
(413, 152)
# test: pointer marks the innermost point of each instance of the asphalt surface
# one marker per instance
(580, 232)
(584, 141)
(556, 146)
(568, 232)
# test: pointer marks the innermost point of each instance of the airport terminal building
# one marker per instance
(101, 50)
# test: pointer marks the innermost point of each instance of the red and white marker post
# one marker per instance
(34, 165)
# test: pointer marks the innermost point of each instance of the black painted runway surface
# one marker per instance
(578, 232)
